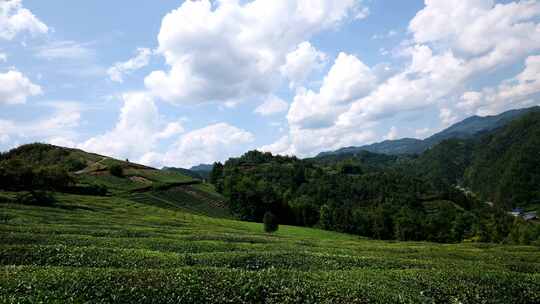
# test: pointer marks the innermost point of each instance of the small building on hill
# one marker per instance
(516, 212)
(529, 216)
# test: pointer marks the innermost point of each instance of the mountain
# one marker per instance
(184, 171)
(391, 147)
(467, 128)
(505, 167)
(202, 168)
(52, 168)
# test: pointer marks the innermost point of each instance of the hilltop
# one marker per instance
(48, 167)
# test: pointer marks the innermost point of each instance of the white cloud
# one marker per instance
(283, 146)
(448, 117)
(119, 69)
(348, 79)
(425, 81)
(62, 142)
(172, 129)
(212, 143)
(15, 19)
(312, 115)
(58, 124)
(392, 134)
(518, 91)
(16, 88)
(389, 34)
(422, 133)
(272, 105)
(493, 33)
(4, 139)
(140, 129)
(3, 57)
(134, 133)
(301, 62)
(453, 43)
(233, 50)
(362, 13)
(65, 49)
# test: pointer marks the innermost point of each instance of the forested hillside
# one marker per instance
(421, 197)
(506, 164)
(38, 171)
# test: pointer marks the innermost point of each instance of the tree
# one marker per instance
(216, 176)
(116, 170)
(270, 222)
(325, 217)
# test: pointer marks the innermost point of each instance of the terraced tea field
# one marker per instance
(119, 250)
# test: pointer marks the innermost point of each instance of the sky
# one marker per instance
(179, 83)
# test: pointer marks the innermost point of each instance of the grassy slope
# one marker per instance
(113, 249)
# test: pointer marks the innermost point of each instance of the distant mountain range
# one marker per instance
(467, 128)
(201, 171)
(202, 168)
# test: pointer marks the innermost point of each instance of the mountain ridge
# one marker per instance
(464, 129)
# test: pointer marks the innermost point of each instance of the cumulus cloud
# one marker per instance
(15, 19)
(305, 142)
(453, 43)
(494, 33)
(518, 91)
(425, 81)
(233, 50)
(283, 146)
(470, 37)
(3, 57)
(301, 62)
(172, 129)
(448, 117)
(348, 79)
(135, 131)
(139, 132)
(119, 69)
(272, 105)
(56, 125)
(435, 77)
(216, 142)
(16, 88)
(392, 134)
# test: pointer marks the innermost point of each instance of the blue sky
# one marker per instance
(180, 83)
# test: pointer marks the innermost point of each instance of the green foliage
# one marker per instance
(216, 175)
(16, 175)
(506, 166)
(116, 170)
(35, 198)
(73, 164)
(117, 250)
(444, 165)
(270, 222)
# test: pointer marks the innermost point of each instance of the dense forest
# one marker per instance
(460, 189)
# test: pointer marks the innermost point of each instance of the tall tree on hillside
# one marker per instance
(216, 176)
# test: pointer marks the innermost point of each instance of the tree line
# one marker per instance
(386, 202)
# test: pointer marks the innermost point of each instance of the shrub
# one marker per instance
(74, 164)
(116, 170)
(5, 218)
(35, 198)
(270, 222)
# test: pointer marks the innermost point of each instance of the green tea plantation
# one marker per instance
(123, 249)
